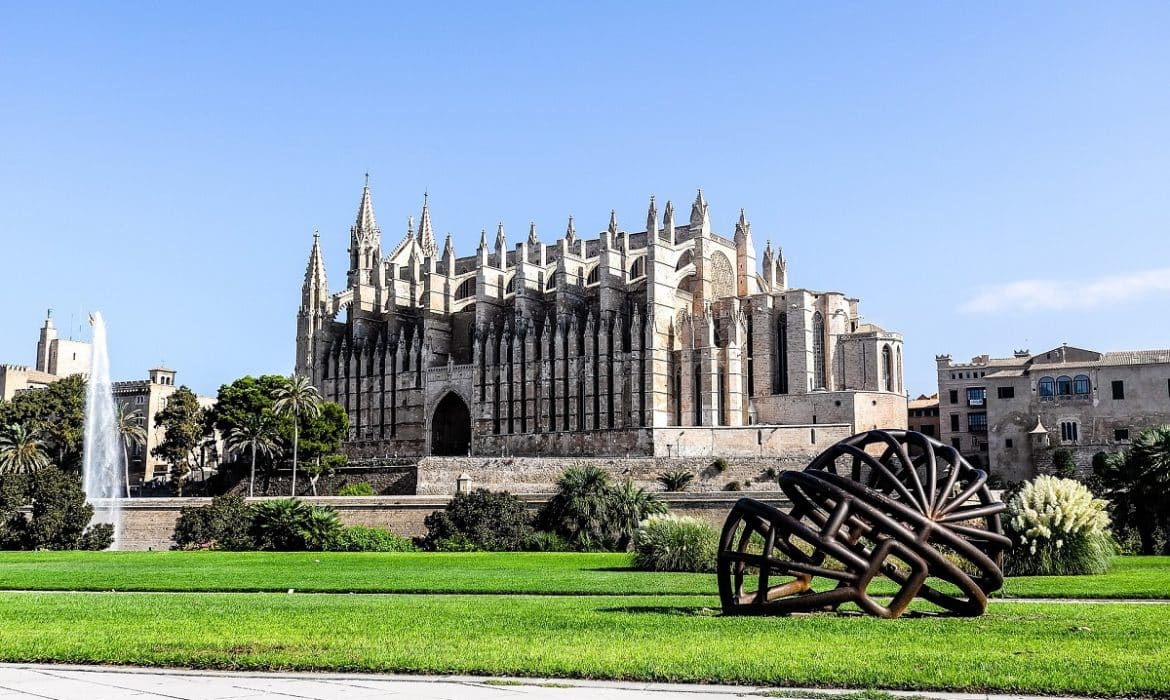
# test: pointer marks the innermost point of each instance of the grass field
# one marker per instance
(515, 614)
(559, 573)
(1115, 649)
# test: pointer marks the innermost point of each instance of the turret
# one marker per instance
(365, 242)
(44, 344)
(312, 314)
(745, 253)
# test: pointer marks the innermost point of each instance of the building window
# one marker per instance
(139, 399)
(1006, 392)
(976, 396)
(1047, 388)
(818, 329)
(954, 396)
(1007, 443)
(954, 422)
(1063, 386)
(1121, 434)
(1118, 390)
(1081, 385)
(888, 368)
(1068, 431)
(927, 429)
(977, 422)
(956, 443)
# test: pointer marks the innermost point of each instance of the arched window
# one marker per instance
(466, 289)
(1047, 388)
(1081, 385)
(1063, 385)
(511, 285)
(818, 351)
(594, 275)
(552, 281)
(898, 368)
(638, 268)
(887, 368)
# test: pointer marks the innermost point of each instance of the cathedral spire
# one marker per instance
(365, 214)
(365, 242)
(700, 217)
(316, 287)
(426, 236)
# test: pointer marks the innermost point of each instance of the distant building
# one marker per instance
(1010, 414)
(922, 415)
(669, 341)
(57, 358)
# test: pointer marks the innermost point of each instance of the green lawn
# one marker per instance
(1114, 649)
(559, 573)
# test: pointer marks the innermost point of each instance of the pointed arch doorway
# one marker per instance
(451, 427)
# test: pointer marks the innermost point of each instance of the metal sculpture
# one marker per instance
(890, 505)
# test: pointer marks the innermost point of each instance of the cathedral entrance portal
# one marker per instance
(451, 427)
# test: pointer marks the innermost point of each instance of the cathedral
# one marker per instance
(672, 341)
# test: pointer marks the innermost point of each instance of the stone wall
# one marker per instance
(149, 523)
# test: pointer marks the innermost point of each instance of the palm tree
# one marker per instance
(133, 434)
(21, 450)
(297, 396)
(258, 434)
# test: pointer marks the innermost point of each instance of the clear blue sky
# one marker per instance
(983, 176)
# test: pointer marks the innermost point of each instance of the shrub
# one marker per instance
(59, 514)
(358, 538)
(361, 488)
(225, 524)
(542, 541)
(732, 486)
(278, 525)
(321, 528)
(719, 465)
(1063, 464)
(488, 520)
(676, 480)
(458, 543)
(592, 514)
(1058, 528)
(675, 543)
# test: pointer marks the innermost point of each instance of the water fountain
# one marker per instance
(102, 472)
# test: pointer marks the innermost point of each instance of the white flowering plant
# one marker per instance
(675, 543)
(1059, 528)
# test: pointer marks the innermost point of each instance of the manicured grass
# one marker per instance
(1114, 649)
(1128, 577)
(342, 572)
(554, 573)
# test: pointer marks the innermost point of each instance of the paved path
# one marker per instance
(60, 682)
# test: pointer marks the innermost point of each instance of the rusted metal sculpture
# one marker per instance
(890, 505)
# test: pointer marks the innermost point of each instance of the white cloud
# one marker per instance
(1064, 295)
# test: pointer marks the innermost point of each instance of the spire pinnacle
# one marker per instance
(613, 229)
(483, 238)
(315, 282)
(533, 240)
(365, 216)
(426, 236)
(652, 218)
(699, 213)
(570, 231)
(501, 240)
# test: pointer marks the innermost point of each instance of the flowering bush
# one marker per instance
(675, 543)
(1059, 528)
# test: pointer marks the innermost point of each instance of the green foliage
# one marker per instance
(1063, 464)
(1058, 529)
(458, 543)
(321, 435)
(358, 538)
(56, 414)
(21, 450)
(675, 543)
(59, 514)
(361, 488)
(541, 541)
(675, 480)
(494, 521)
(225, 524)
(1137, 483)
(278, 524)
(321, 528)
(720, 465)
(182, 421)
(248, 396)
(593, 514)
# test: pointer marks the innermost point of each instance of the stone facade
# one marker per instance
(57, 358)
(922, 416)
(1010, 414)
(664, 342)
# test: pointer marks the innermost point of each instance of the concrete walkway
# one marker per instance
(60, 682)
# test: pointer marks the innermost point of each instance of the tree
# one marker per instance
(57, 414)
(182, 420)
(297, 397)
(133, 434)
(21, 450)
(59, 515)
(1137, 483)
(580, 510)
(257, 434)
(248, 396)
